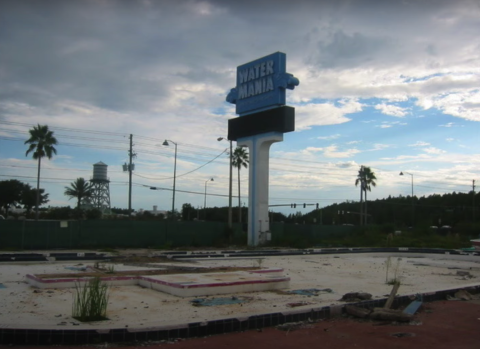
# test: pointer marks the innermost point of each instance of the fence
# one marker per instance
(28, 234)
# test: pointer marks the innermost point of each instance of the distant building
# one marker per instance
(155, 211)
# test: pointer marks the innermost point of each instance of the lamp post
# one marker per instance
(413, 201)
(174, 174)
(229, 184)
(205, 200)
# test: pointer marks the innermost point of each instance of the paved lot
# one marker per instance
(136, 307)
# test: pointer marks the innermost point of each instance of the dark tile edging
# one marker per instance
(197, 329)
(54, 256)
(317, 251)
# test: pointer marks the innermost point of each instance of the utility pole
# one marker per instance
(130, 177)
(473, 201)
(230, 219)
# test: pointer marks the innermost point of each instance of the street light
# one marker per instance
(174, 174)
(205, 200)
(413, 202)
(229, 184)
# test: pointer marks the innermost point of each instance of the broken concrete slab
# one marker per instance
(356, 297)
(390, 314)
(357, 311)
(311, 291)
(413, 307)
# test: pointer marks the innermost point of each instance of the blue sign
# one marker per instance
(261, 84)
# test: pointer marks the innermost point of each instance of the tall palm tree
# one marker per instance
(41, 144)
(79, 189)
(369, 181)
(366, 178)
(360, 180)
(239, 160)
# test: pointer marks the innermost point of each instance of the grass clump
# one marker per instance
(90, 301)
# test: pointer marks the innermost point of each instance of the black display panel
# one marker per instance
(280, 119)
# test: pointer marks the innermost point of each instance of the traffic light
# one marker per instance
(304, 205)
(317, 205)
(291, 205)
(294, 205)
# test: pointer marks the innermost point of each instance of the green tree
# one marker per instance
(10, 193)
(79, 189)
(29, 198)
(41, 144)
(239, 160)
(188, 212)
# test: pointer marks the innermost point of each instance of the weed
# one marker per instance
(259, 262)
(90, 301)
(110, 269)
(388, 264)
(393, 282)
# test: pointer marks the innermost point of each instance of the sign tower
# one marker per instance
(260, 97)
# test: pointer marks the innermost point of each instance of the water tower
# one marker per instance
(101, 187)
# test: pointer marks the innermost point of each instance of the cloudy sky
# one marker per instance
(393, 85)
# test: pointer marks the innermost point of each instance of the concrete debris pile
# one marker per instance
(292, 326)
(384, 313)
(356, 297)
(208, 302)
(465, 275)
(378, 313)
(463, 295)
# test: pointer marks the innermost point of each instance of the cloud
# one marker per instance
(392, 110)
(313, 149)
(332, 152)
(388, 124)
(419, 144)
(379, 146)
(408, 157)
(433, 150)
(335, 136)
(347, 164)
(341, 49)
(321, 114)
(161, 69)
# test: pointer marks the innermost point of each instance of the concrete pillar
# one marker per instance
(259, 149)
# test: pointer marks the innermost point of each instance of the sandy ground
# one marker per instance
(22, 306)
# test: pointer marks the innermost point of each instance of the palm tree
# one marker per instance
(369, 180)
(239, 160)
(366, 178)
(80, 189)
(42, 144)
(360, 180)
